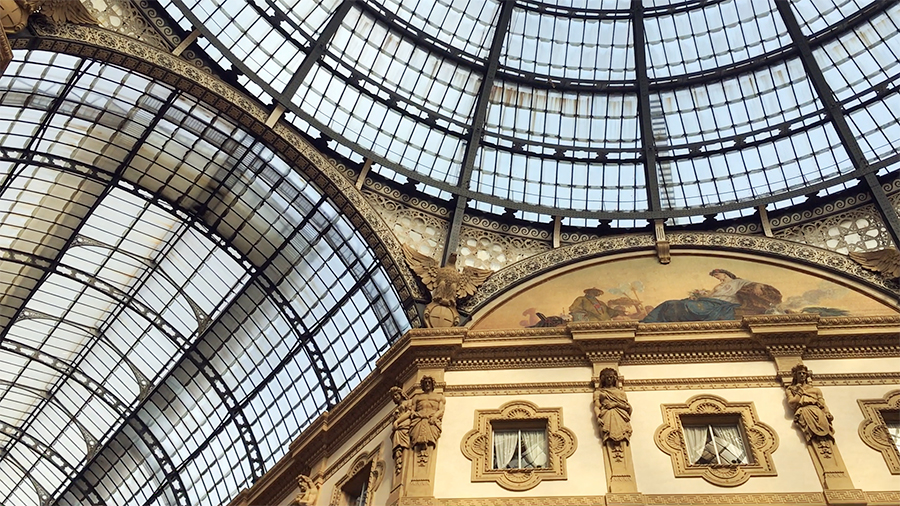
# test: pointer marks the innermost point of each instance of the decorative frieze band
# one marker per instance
(775, 498)
(639, 385)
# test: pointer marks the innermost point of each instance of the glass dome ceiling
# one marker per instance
(177, 302)
(590, 108)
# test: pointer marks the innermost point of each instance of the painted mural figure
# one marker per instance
(588, 308)
(400, 433)
(810, 412)
(731, 298)
(427, 411)
(612, 408)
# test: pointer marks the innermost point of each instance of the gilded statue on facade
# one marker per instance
(613, 412)
(14, 14)
(447, 286)
(400, 430)
(612, 408)
(810, 412)
(427, 412)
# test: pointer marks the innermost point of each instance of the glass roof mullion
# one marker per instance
(648, 142)
(235, 413)
(318, 48)
(476, 129)
(839, 121)
(55, 263)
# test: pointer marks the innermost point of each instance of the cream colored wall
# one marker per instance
(866, 466)
(653, 468)
(585, 466)
(859, 365)
(542, 375)
(711, 370)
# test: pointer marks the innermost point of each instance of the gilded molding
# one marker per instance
(596, 500)
(662, 384)
(761, 439)
(561, 444)
(802, 498)
(885, 498)
(768, 499)
(873, 430)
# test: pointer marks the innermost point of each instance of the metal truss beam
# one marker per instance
(648, 142)
(98, 390)
(317, 50)
(835, 111)
(476, 129)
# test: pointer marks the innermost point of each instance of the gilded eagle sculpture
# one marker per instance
(446, 284)
(14, 14)
(885, 261)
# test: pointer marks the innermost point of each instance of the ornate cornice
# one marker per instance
(561, 387)
(637, 385)
(767, 498)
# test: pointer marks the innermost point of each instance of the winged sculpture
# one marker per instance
(14, 13)
(885, 261)
(446, 284)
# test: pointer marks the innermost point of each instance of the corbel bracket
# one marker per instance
(785, 338)
(662, 244)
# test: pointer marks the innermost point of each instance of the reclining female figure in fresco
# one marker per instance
(732, 298)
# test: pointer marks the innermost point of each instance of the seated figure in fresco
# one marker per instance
(588, 308)
(732, 298)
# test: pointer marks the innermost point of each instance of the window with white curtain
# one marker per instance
(520, 447)
(892, 421)
(710, 444)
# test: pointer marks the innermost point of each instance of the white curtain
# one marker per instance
(505, 445)
(730, 444)
(695, 437)
(535, 447)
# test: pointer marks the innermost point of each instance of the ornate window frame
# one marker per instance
(761, 440)
(376, 475)
(873, 430)
(476, 446)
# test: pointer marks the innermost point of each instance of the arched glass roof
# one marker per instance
(176, 302)
(590, 108)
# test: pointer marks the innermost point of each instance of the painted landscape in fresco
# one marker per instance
(691, 288)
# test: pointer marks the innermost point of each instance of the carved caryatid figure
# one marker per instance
(309, 492)
(612, 408)
(14, 13)
(400, 433)
(810, 412)
(447, 286)
(427, 412)
(613, 413)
